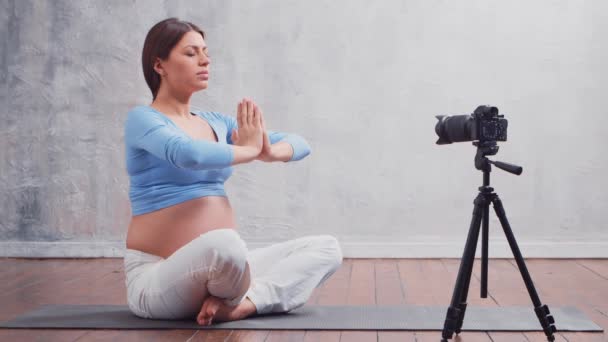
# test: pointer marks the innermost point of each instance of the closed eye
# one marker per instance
(192, 55)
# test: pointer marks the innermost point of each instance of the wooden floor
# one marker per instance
(27, 283)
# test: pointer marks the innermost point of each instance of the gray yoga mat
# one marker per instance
(313, 317)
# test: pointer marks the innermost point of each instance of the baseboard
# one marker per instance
(496, 249)
(412, 249)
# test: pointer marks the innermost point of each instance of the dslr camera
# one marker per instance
(484, 125)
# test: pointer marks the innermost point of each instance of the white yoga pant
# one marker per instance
(283, 275)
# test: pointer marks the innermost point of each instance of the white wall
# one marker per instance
(361, 80)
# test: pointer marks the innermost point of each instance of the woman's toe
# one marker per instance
(208, 310)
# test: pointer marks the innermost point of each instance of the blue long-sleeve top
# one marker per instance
(166, 166)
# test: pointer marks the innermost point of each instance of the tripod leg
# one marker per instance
(484, 250)
(485, 208)
(455, 313)
(542, 311)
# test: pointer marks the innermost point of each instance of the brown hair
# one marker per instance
(159, 42)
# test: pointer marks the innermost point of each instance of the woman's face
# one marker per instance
(187, 67)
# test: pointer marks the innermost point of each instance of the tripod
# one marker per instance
(455, 313)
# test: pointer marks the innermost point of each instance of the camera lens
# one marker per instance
(454, 128)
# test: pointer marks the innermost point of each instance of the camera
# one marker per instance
(484, 125)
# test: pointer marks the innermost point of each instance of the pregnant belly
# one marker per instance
(164, 231)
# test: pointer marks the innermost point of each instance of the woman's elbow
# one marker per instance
(301, 149)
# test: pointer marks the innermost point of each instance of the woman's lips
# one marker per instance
(203, 75)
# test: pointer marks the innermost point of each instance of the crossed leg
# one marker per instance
(215, 309)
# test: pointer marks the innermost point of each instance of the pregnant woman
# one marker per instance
(184, 257)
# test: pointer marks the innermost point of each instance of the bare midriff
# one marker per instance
(164, 231)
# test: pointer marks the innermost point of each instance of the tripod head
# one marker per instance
(489, 148)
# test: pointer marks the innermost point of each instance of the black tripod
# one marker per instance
(455, 313)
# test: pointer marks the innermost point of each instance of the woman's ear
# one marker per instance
(158, 67)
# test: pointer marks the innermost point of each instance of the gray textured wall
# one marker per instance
(361, 80)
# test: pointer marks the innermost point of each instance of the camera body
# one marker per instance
(484, 125)
(490, 125)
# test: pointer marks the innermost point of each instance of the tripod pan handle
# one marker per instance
(508, 167)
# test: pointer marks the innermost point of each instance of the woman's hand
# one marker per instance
(250, 132)
(266, 154)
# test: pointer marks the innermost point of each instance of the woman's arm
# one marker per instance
(147, 130)
(244, 154)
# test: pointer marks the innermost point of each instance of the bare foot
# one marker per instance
(215, 310)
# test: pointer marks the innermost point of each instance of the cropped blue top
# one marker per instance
(167, 167)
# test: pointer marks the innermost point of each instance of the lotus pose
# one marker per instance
(184, 257)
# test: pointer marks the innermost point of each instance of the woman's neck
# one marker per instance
(172, 104)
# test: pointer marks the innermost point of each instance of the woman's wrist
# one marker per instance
(280, 151)
(244, 154)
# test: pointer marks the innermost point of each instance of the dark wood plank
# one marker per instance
(286, 336)
(358, 336)
(584, 337)
(389, 291)
(507, 337)
(388, 284)
(413, 282)
(43, 286)
(10, 267)
(49, 272)
(40, 335)
(322, 336)
(219, 335)
(537, 336)
(60, 286)
(599, 266)
(362, 291)
(247, 336)
(435, 336)
(415, 291)
(137, 335)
